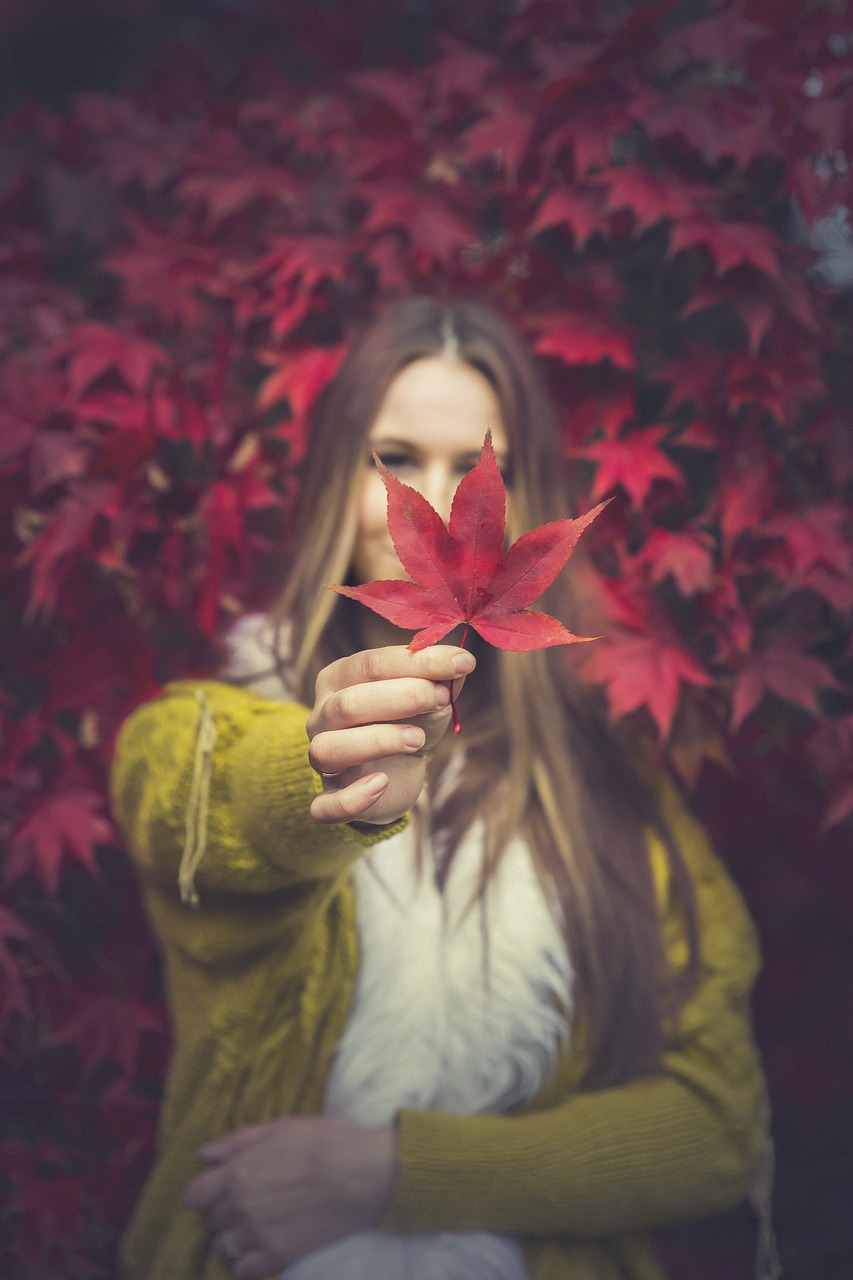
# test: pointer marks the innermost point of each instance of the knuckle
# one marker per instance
(373, 664)
(426, 696)
(434, 661)
(346, 705)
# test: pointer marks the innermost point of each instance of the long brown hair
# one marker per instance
(539, 756)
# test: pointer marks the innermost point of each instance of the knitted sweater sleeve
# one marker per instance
(217, 776)
(675, 1145)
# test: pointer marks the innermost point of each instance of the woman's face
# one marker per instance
(428, 432)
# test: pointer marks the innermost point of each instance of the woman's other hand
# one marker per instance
(275, 1192)
(377, 713)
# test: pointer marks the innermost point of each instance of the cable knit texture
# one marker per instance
(262, 975)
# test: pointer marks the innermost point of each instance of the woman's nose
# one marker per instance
(438, 486)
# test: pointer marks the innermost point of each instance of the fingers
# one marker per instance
(377, 715)
(232, 1143)
(387, 700)
(333, 753)
(350, 803)
(437, 663)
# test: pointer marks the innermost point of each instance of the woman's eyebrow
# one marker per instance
(394, 442)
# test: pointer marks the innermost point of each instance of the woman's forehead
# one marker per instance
(441, 401)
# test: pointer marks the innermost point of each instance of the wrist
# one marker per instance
(372, 1172)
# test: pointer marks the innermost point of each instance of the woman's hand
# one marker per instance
(275, 1192)
(376, 715)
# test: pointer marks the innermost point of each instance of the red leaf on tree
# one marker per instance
(69, 820)
(505, 134)
(583, 339)
(633, 462)
(107, 1028)
(730, 244)
(643, 671)
(298, 378)
(815, 536)
(648, 198)
(757, 308)
(686, 556)
(785, 671)
(94, 349)
(715, 126)
(580, 210)
(169, 272)
(430, 224)
(460, 571)
(66, 536)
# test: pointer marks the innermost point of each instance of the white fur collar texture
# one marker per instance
(462, 1005)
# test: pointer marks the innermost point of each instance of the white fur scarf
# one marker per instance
(462, 1005)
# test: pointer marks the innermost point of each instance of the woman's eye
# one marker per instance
(394, 461)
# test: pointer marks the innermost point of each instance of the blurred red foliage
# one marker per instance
(640, 189)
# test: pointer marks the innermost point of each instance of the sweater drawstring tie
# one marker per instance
(767, 1263)
(198, 804)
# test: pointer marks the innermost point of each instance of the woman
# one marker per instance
(501, 1037)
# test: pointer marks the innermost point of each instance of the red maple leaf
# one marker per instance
(643, 671)
(460, 571)
(432, 227)
(686, 556)
(730, 244)
(504, 135)
(814, 536)
(715, 125)
(69, 820)
(580, 338)
(95, 349)
(108, 1028)
(579, 209)
(784, 671)
(633, 462)
(648, 197)
(299, 377)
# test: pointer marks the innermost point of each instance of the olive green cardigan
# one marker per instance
(260, 975)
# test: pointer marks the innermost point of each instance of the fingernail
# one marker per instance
(442, 695)
(414, 738)
(464, 663)
(375, 783)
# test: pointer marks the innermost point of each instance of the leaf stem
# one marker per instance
(457, 727)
